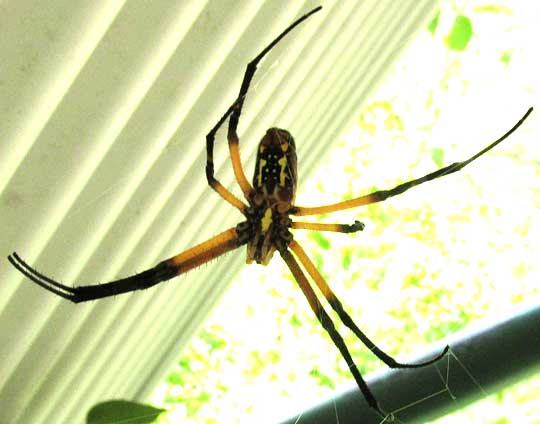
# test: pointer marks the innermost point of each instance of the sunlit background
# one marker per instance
(430, 262)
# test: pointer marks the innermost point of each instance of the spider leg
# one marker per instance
(232, 135)
(328, 325)
(165, 270)
(345, 317)
(78, 294)
(338, 228)
(212, 181)
(379, 196)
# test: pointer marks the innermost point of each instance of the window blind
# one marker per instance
(105, 106)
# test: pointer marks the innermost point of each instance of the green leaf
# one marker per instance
(213, 340)
(318, 259)
(412, 281)
(184, 364)
(194, 402)
(366, 125)
(204, 397)
(175, 378)
(460, 34)
(295, 321)
(493, 8)
(321, 240)
(346, 261)
(322, 379)
(170, 399)
(115, 411)
(434, 23)
(273, 356)
(505, 57)
(393, 122)
(384, 105)
(437, 155)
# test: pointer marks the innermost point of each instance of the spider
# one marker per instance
(266, 228)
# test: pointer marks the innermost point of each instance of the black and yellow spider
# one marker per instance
(266, 228)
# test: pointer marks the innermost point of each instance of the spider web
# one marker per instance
(442, 370)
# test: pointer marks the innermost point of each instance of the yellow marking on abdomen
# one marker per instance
(262, 162)
(283, 163)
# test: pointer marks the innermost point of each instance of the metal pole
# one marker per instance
(481, 361)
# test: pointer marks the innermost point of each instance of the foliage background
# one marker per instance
(429, 262)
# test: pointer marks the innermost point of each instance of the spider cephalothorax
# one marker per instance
(270, 203)
(266, 231)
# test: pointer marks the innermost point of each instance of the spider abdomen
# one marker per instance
(275, 174)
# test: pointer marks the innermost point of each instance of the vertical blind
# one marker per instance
(104, 109)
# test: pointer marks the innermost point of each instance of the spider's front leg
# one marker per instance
(382, 195)
(234, 112)
(212, 181)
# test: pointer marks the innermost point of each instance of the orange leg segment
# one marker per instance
(205, 252)
(212, 181)
(379, 196)
(237, 107)
(338, 228)
(328, 325)
(336, 304)
(227, 195)
(237, 167)
(165, 270)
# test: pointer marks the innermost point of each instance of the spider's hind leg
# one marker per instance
(330, 328)
(346, 318)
